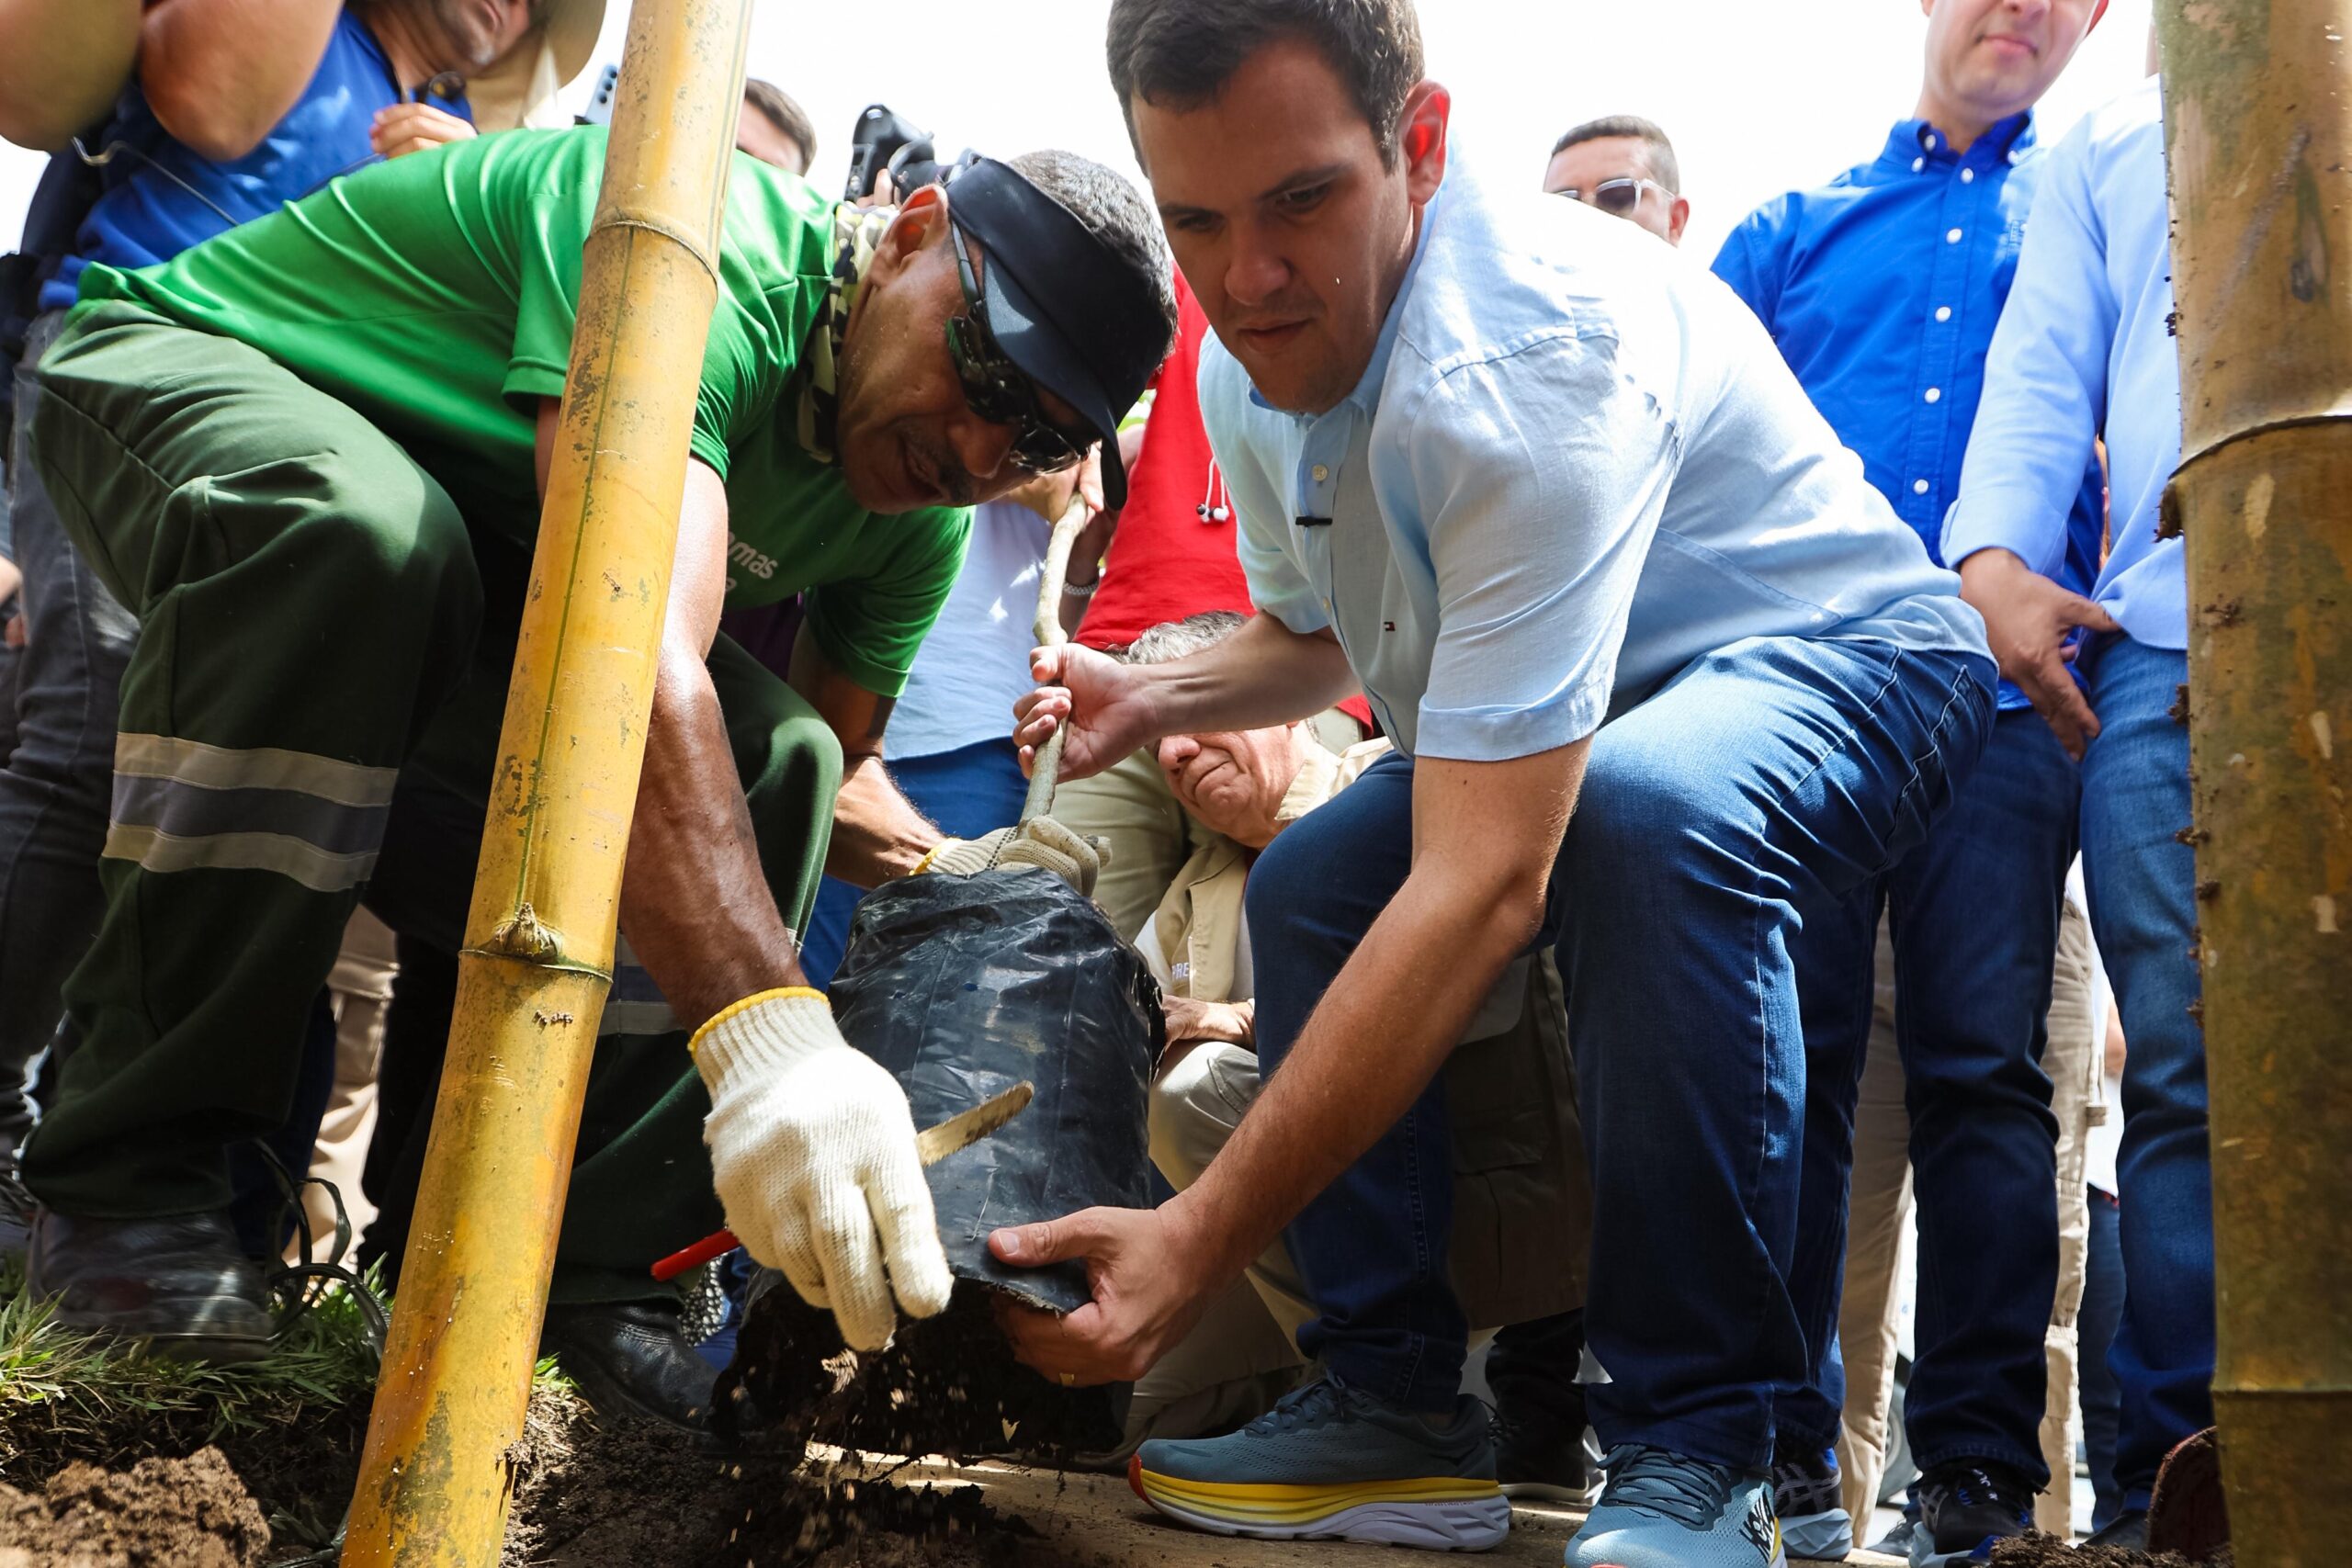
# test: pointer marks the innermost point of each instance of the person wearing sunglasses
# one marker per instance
(1625, 166)
(309, 455)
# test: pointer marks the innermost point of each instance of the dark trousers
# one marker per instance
(312, 710)
(2102, 1311)
(1975, 914)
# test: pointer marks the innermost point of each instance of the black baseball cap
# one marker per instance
(1071, 313)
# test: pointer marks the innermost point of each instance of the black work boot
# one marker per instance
(632, 1359)
(180, 1284)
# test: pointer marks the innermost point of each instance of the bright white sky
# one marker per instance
(1757, 98)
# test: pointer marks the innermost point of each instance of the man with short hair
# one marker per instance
(775, 129)
(1882, 289)
(1661, 670)
(1624, 165)
(309, 455)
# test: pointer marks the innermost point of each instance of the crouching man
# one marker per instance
(1518, 1178)
(306, 456)
(1662, 670)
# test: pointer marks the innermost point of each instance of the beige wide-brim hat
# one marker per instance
(521, 89)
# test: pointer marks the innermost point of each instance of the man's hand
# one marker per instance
(413, 128)
(1041, 842)
(812, 1147)
(1111, 700)
(2027, 619)
(1192, 1023)
(1150, 1278)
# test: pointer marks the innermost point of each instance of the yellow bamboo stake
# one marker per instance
(2258, 133)
(435, 1475)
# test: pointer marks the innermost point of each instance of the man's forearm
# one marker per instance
(877, 833)
(1406, 993)
(694, 901)
(1263, 674)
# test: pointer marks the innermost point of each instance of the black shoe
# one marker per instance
(1964, 1507)
(1539, 1461)
(632, 1359)
(2128, 1532)
(180, 1284)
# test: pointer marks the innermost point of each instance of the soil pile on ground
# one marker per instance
(162, 1513)
(592, 1493)
(2048, 1552)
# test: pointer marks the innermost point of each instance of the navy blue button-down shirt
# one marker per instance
(1882, 289)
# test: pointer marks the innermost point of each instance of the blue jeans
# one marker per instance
(1776, 774)
(57, 787)
(2143, 885)
(972, 790)
(1975, 914)
(2102, 1310)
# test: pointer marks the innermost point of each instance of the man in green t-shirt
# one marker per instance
(308, 453)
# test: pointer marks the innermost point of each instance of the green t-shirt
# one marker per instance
(436, 295)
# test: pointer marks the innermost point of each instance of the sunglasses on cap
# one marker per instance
(1618, 197)
(995, 390)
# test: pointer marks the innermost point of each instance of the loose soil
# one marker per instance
(162, 1513)
(2039, 1550)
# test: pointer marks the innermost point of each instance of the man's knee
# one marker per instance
(1194, 1107)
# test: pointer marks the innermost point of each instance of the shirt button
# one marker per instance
(1943, 313)
(1967, 177)
(1935, 394)
(1321, 473)
(1931, 139)
(1918, 164)
(1951, 237)
(1918, 486)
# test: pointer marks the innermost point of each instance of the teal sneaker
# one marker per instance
(1330, 1462)
(1660, 1510)
(1810, 1501)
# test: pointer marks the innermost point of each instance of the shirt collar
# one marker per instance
(1907, 144)
(1365, 398)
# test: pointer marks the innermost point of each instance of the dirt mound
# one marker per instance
(162, 1513)
(2048, 1551)
(593, 1493)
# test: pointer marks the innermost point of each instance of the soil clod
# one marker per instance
(162, 1513)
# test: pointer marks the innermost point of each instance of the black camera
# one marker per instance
(885, 140)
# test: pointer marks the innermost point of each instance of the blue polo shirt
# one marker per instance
(159, 197)
(1882, 289)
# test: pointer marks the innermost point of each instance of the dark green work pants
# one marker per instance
(310, 715)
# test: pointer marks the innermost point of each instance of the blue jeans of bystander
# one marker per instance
(1974, 915)
(2142, 882)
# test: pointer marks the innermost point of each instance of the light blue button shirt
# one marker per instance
(2084, 349)
(1575, 464)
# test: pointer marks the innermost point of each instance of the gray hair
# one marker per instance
(1664, 167)
(1171, 640)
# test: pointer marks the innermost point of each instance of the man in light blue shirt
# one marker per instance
(1661, 667)
(2085, 350)
(1882, 288)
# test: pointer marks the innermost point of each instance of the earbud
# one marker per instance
(1214, 513)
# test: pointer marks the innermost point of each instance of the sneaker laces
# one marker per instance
(1309, 1404)
(1975, 1486)
(1688, 1491)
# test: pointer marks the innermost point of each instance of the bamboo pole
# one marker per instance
(2258, 133)
(435, 1476)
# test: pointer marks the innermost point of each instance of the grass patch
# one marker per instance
(66, 1395)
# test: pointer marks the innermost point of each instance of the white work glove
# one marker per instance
(812, 1148)
(1040, 841)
